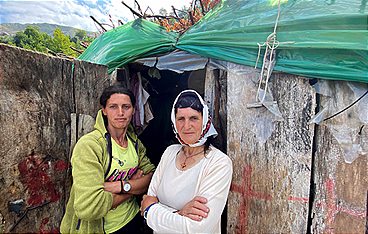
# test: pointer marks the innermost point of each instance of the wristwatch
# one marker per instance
(126, 187)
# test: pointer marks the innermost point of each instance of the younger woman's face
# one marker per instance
(119, 111)
(188, 123)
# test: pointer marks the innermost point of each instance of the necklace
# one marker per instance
(183, 165)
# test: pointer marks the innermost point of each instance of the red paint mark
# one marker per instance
(299, 199)
(34, 176)
(245, 189)
(331, 204)
(355, 213)
(43, 229)
(61, 165)
(333, 209)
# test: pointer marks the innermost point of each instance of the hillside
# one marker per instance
(12, 28)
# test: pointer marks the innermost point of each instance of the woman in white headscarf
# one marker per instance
(189, 188)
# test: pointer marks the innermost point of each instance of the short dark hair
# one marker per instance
(189, 99)
(113, 89)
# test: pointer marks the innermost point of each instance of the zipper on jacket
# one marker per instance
(103, 224)
(78, 224)
(109, 150)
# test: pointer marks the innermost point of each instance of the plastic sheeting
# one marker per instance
(260, 121)
(346, 127)
(177, 61)
(320, 39)
(126, 43)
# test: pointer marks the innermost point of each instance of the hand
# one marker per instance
(112, 187)
(146, 201)
(138, 174)
(195, 209)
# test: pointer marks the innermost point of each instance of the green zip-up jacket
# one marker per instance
(88, 202)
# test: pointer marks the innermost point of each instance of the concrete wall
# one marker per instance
(38, 95)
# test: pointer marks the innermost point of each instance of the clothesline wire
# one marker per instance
(346, 108)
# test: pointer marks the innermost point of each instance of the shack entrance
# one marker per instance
(162, 86)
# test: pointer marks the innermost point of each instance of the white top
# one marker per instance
(209, 178)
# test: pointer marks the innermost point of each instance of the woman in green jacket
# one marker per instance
(109, 167)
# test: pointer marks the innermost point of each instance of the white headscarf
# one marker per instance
(207, 127)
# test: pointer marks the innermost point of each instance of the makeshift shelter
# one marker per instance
(289, 174)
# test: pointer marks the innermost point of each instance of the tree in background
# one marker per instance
(59, 44)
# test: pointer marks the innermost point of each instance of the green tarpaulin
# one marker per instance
(137, 39)
(321, 39)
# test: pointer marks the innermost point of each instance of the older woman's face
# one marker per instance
(119, 111)
(188, 122)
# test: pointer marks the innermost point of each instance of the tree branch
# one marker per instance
(202, 7)
(139, 7)
(131, 9)
(93, 18)
(76, 50)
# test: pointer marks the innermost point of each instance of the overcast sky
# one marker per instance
(76, 13)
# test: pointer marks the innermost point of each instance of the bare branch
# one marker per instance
(202, 7)
(149, 8)
(51, 52)
(132, 10)
(83, 44)
(174, 10)
(139, 7)
(162, 17)
(93, 18)
(191, 17)
(76, 50)
(110, 18)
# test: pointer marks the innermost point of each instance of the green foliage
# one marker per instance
(7, 40)
(33, 39)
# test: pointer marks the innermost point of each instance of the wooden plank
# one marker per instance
(35, 92)
(216, 97)
(340, 204)
(38, 96)
(270, 188)
(89, 81)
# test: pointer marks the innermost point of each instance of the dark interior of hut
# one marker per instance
(163, 86)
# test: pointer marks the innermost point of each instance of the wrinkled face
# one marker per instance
(188, 123)
(119, 111)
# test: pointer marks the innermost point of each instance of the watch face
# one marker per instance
(127, 186)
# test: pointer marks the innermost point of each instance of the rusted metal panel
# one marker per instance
(340, 204)
(270, 188)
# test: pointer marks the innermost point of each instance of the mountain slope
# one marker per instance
(13, 28)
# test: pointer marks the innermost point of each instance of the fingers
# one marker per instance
(137, 175)
(200, 199)
(200, 206)
(195, 217)
(199, 212)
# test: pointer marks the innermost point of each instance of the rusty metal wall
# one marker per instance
(38, 94)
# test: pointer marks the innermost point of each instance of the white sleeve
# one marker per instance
(214, 186)
(157, 175)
